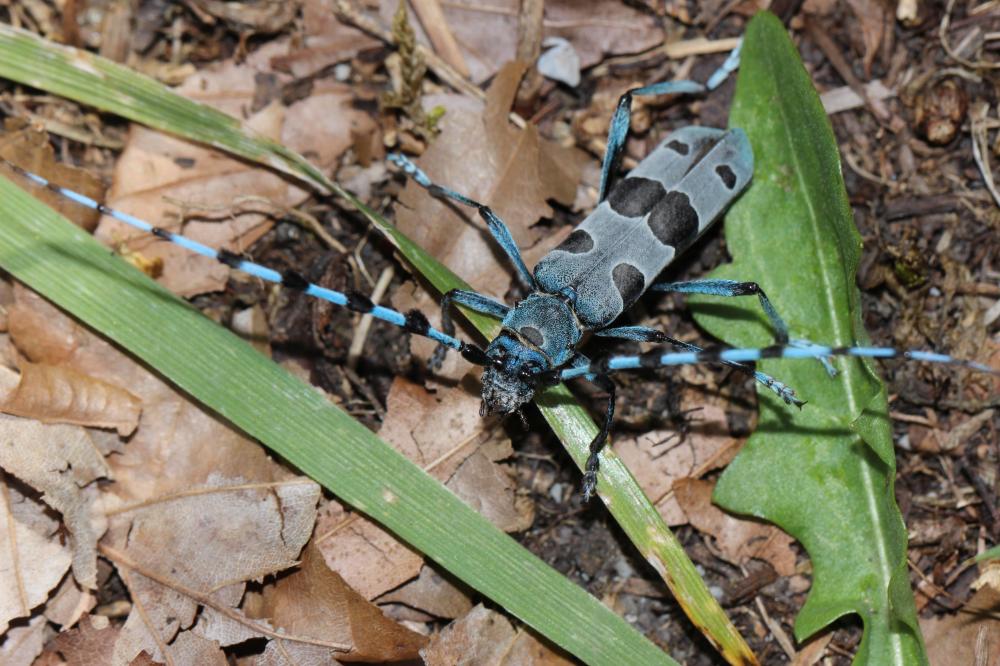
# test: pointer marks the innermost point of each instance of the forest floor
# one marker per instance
(911, 91)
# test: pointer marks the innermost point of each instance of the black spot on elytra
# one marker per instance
(629, 281)
(578, 242)
(727, 176)
(674, 222)
(634, 197)
(532, 335)
(679, 147)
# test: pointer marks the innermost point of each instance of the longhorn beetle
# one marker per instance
(615, 255)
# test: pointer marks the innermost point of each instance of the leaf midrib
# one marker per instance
(871, 502)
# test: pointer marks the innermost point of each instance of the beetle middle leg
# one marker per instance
(471, 300)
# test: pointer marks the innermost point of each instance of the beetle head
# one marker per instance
(513, 374)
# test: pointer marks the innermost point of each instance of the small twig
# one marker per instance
(361, 332)
(980, 152)
(443, 70)
(943, 37)
(779, 633)
(436, 26)
(836, 58)
(864, 173)
(303, 219)
(121, 560)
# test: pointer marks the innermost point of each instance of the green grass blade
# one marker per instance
(92, 80)
(823, 474)
(293, 420)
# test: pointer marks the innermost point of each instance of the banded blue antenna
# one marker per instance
(413, 321)
(657, 358)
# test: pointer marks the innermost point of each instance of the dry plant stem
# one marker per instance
(820, 37)
(529, 47)
(673, 51)
(15, 555)
(775, 627)
(443, 70)
(123, 572)
(361, 332)
(303, 219)
(123, 561)
(946, 45)
(436, 26)
(980, 148)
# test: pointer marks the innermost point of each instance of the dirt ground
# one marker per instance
(911, 90)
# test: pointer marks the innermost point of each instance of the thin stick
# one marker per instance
(361, 332)
(436, 26)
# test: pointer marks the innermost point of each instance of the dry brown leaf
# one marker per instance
(487, 638)
(57, 394)
(875, 19)
(177, 445)
(61, 462)
(955, 639)
(486, 30)
(69, 603)
(90, 644)
(23, 643)
(481, 155)
(199, 548)
(154, 167)
(326, 42)
(30, 149)
(370, 559)
(314, 601)
(484, 157)
(190, 648)
(487, 488)
(736, 538)
(431, 593)
(32, 561)
(657, 459)
(438, 430)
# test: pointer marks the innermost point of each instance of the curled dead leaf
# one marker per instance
(314, 601)
(32, 560)
(61, 462)
(57, 394)
(736, 538)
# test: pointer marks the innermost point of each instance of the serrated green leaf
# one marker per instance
(823, 474)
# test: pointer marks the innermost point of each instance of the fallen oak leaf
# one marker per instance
(199, 547)
(486, 637)
(58, 394)
(737, 539)
(32, 561)
(370, 559)
(155, 167)
(315, 601)
(60, 461)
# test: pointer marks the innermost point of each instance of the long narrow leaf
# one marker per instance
(106, 85)
(825, 474)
